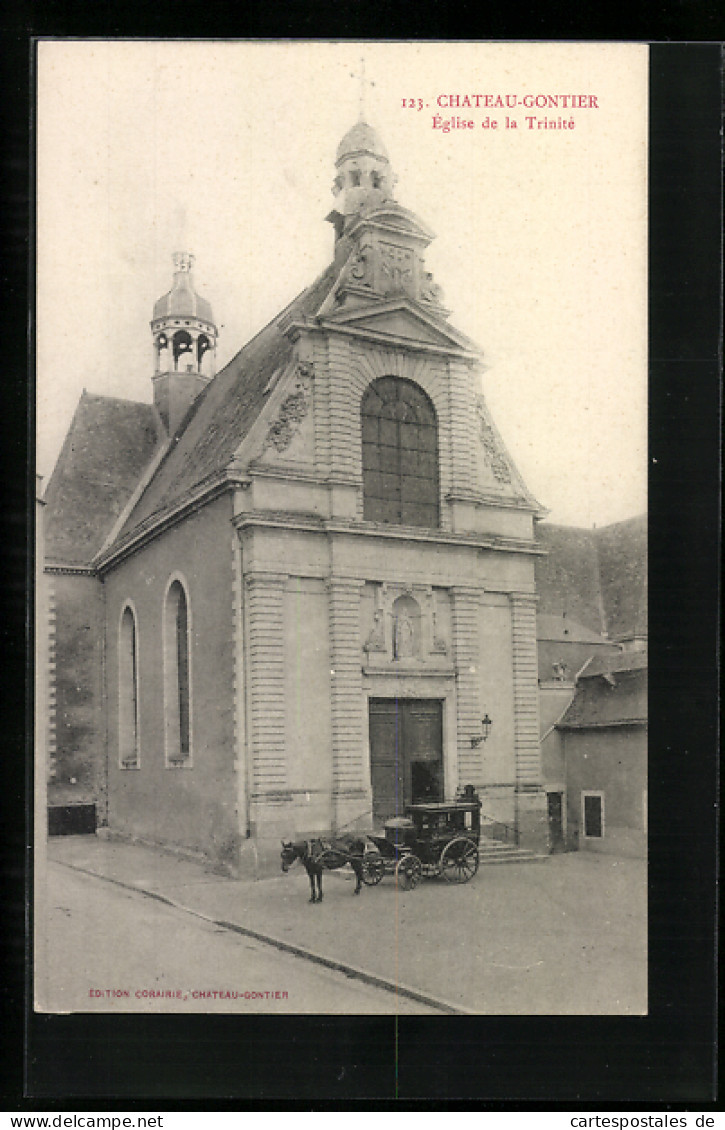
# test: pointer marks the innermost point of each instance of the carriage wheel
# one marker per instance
(408, 873)
(373, 868)
(459, 860)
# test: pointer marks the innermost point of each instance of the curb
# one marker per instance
(374, 979)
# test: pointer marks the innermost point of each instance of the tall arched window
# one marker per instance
(399, 454)
(128, 704)
(177, 679)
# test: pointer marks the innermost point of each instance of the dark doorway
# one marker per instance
(593, 815)
(406, 753)
(555, 807)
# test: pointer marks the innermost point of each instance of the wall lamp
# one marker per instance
(486, 724)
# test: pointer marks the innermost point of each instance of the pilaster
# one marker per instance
(343, 416)
(348, 780)
(52, 696)
(526, 693)
(466, 636)
(530, 796)
(266, 684)
(238, 689)
(462, 412)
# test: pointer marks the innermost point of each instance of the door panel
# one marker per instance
(406, 753)
(555, 808)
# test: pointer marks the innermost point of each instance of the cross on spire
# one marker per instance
(363, 81)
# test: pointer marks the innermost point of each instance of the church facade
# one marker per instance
(321, 581)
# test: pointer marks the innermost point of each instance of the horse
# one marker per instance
(317, 856)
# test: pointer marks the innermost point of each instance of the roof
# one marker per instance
(597, 577)
(361, 138)
(616, 664)
(567, 579)
(183, 301)
(109, 443)
(562, 629)
(614, 695)
(623, 575)
(223, 413)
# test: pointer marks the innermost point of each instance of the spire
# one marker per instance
(363, 82)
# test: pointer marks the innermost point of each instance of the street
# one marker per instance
(566, 935)
(110, 941)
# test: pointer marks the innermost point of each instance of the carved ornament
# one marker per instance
(292, 411)
(396, 268)
(492, 453)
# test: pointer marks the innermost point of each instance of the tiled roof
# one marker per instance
(596, 577)
(565, 630)
(224, 412)
(616, 664)
(608, 699)
(567, 579)
(623, 574)
(109, 443)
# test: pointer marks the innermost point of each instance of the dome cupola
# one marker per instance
(182, 300)
(185, 338)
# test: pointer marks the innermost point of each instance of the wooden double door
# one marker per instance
(406, 753)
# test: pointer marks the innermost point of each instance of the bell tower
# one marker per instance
(364, 180)
(184, 343)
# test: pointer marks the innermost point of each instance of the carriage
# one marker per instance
(433, 838)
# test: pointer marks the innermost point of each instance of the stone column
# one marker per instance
(270, 809)
(530, 797)
(466, 637)
(351, 800)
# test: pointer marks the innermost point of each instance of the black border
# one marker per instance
(328, 1063)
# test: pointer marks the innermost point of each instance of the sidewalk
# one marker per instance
(564, 936)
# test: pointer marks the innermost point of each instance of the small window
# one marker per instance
(128, 704)
(593, 815)
(177, 677)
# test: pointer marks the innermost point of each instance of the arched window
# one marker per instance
(177, 678)
(183, 351)
(128, 704)
(399, 454)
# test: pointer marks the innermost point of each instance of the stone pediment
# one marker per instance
(401, 319)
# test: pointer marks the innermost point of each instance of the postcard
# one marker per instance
(342, 518)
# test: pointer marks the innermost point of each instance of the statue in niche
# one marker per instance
(403, 637)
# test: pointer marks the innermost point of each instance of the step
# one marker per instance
(494, 852)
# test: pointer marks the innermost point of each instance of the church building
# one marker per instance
(308, 580)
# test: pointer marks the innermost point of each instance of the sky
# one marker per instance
(226, 149)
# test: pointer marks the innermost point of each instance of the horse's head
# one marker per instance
(288, 855)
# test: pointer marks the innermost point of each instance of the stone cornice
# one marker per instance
(417, 672)
(480, 498)
(58, 568)
(284, 520)
(384, 339)
(278, 520)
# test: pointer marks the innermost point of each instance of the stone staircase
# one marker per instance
(496, 851)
